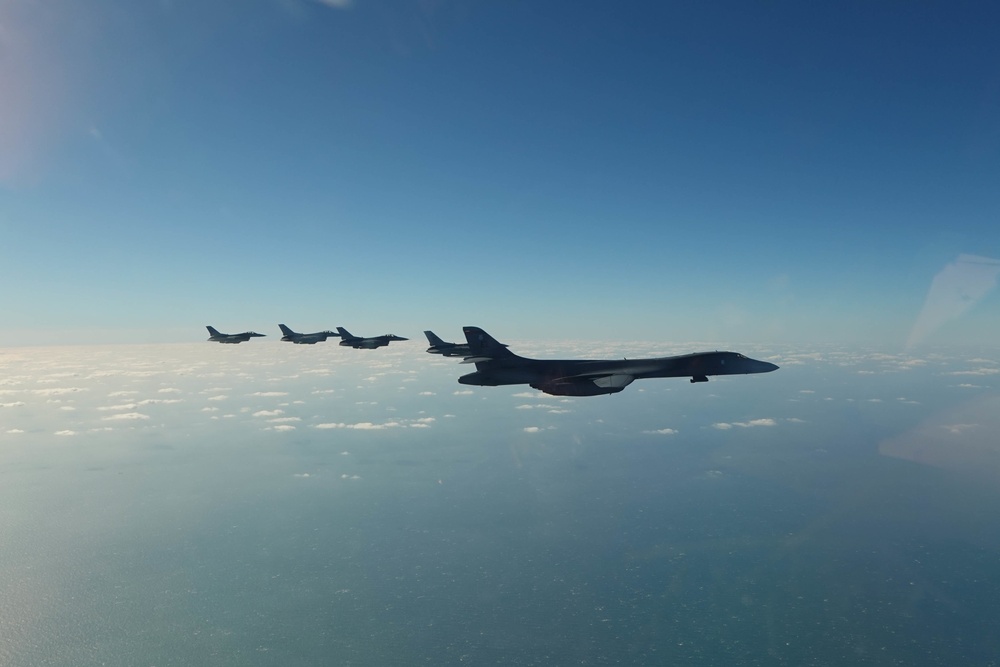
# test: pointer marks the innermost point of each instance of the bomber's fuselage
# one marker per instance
(519, 370)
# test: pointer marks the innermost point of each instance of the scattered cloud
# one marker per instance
(281, 427)
(121, 406)
(337, 4)
(125, 416)
(976, 371)
(958, 429)
(66, 432)
(57, 391)
(724, 426)
(268, 413)
(531, 429)
(269, 393)
(463, 392)
(662, 431)
(360, 426)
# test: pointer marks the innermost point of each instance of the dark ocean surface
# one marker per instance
(841, 511)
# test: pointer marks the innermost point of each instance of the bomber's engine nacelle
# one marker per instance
(699, 378)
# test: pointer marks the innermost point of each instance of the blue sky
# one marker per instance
(726, 171)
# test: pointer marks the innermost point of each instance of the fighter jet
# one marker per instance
(496, 365)
(357, 342)
(445, 349)
(305, 338)
(217, 337)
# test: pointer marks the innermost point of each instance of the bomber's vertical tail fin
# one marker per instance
(481, 344)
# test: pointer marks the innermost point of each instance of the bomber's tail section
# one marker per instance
(484, 347)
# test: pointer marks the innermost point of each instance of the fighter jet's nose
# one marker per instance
(768, 366)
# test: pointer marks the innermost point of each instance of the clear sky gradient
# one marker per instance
(592, 170)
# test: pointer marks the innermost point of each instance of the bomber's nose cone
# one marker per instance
(768, 366)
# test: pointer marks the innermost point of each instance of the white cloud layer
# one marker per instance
(724, 426)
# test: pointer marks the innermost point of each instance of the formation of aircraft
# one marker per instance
(496, 365)
(217, 337)
(305, 338)
(359, 342)
(347, 338)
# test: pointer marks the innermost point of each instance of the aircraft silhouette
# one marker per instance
(305, 338)
(358, 342)
(217, 337)
(496, 365)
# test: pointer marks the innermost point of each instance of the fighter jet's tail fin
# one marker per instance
(433, 339)
(212, 331)
(285, 330)
(484, 347)
(344, 333)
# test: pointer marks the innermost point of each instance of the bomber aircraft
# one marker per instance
(217, 337)
(446, 349)
(305, 338)
(358, 342)
(496, 365)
